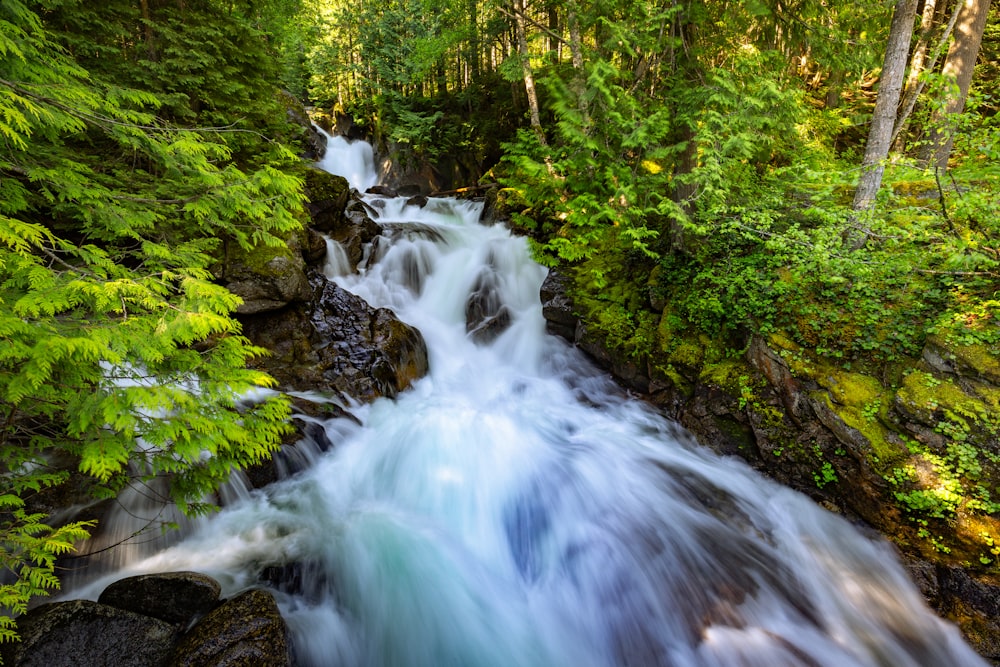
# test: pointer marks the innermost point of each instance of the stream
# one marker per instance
(516, 508)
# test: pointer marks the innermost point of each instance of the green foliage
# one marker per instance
(120, 352)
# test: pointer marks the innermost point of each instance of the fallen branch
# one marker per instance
(461, 191)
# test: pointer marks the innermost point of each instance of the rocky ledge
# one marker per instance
(915, 458)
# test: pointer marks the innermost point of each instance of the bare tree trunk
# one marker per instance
(920, 50)
(917, 65)
(576, 51)
(884, 116)
(959, 65)
(529, 77)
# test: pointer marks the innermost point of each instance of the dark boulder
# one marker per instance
(486, 316)
(246, 631)
(557, 308)
(381, 190)
(174, 597)
(266, 278)
(88, 634)
(327, 196)
(339, 345)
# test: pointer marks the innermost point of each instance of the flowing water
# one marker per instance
(514, 508)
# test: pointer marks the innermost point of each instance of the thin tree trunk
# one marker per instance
(528, 74)
(473, 58)
(958, 65)
(923, 41)
(576, 51)
(554, 42)
(913, 85)
(147, 29)
(884, 116)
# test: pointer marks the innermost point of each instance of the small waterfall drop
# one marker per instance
(516, 509)
(354, 160)
(337, 262)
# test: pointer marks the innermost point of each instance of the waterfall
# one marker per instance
(354, 160)
(515, 508)
(337, 262)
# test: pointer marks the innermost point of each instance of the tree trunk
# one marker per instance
(917, 65)
(473, 57)
(529, 77)
(884, 116)
(958, 66)
(579, 75)
(147, 29)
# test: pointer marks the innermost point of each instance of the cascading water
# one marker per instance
(515, 509)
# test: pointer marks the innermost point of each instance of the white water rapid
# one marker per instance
(515, 509)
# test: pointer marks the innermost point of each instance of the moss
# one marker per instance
(927, 397)
(724, 374)
(847, 388)
(669, 373)
(867, 419)
(980, 358)
(688, 353)
(324, 186)
(260, 260)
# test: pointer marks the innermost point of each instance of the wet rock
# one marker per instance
(490, 215)
(174, 597)
(246, 631)
(313, 246)
(381, 190)
(417, 200)
(85, 633)
(409, 190)
(327, 196)
(486, 316)
(972, 603)
(339, 344)
(557, 308)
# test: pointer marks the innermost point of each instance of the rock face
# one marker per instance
(266, 278)
(877, 454)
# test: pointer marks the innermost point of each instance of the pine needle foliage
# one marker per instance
(119, 350)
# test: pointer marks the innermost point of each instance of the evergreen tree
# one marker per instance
(120, 353)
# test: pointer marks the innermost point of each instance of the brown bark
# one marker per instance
(918, 65)
(958, 66)
(884, 115)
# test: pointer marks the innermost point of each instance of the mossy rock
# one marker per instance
(977, 362)
(930, 400)
(265, 277)
(321, 186)
(725, 374)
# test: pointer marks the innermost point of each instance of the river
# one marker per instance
(516, 508)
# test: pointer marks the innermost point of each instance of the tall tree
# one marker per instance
(959, 66)
(115, 333)
(884, 115)
(520, 27)
(919, 64)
